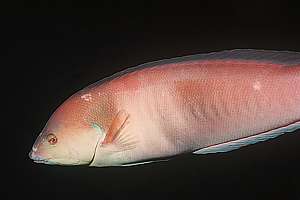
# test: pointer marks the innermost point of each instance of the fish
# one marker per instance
(200, 104)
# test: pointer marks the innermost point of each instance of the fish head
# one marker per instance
(65, 140)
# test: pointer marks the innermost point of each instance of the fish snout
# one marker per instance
(32, 155)
(35, 157)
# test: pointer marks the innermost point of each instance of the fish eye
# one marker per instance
(51, 138)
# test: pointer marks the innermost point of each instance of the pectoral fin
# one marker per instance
(118, 135)
(118, 138)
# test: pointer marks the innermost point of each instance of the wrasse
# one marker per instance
(206, 103)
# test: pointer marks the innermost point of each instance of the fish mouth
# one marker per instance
(39, 159)
(45, 162)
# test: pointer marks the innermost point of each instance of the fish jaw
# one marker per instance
(42, 160)
(39, 159)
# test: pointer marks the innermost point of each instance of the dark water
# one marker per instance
(50, 53)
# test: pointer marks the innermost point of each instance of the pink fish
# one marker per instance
(205, 103)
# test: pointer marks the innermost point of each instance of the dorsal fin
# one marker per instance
(268, 56)
(271, 56)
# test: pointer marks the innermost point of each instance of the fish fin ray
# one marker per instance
(143, 162)
(236, 144)
(272, 56)
(117, 135)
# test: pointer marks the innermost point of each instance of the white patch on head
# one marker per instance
(87, 97)
(257, 85)
(34, 149)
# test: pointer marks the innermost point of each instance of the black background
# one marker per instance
(51, 49)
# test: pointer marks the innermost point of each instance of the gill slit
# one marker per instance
(98, 140)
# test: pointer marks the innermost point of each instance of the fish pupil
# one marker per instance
(52, 139)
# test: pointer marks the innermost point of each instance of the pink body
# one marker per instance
(183, 107)
(204, 104)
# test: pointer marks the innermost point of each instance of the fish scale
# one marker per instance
(206, 103)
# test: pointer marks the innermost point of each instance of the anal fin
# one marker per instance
(236, 144)
(143, 162)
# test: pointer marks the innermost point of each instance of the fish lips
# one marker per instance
(39, 159)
